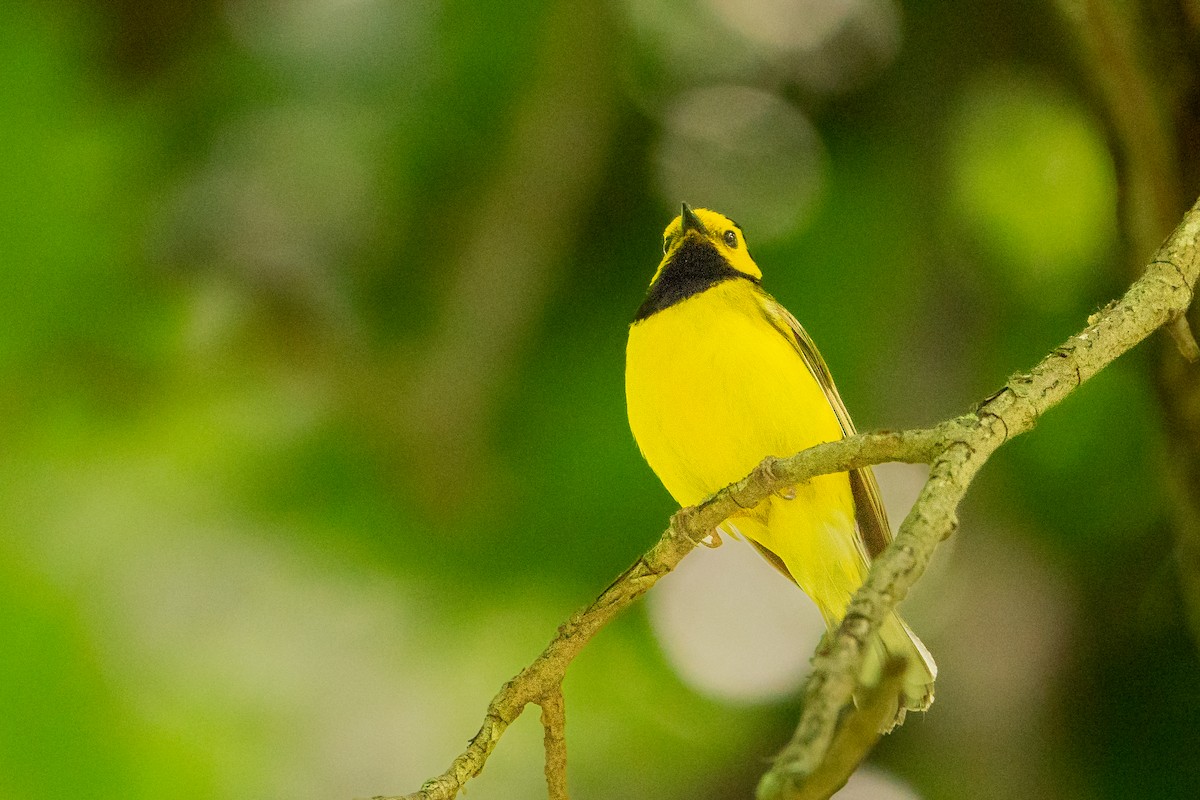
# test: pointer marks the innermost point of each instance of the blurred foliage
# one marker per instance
(237, 562)
(1023, 156)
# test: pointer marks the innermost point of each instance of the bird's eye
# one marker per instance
(731, 238)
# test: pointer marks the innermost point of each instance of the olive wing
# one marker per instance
(869, 511)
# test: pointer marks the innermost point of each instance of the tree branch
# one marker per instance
(554, 721)
(1162, 293)
(956, 449)
(855, 737)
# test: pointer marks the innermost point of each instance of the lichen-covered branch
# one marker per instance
(855, 737)
(690, 526)
(554, 723)
(956, 449)
(1163, 293)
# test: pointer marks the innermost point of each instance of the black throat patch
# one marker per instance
(694, 267)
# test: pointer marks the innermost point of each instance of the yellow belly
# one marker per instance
(712, 388)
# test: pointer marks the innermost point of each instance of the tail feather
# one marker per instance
(896, 640)
(816, 552)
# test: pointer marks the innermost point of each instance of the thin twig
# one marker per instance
(554, 721)
(956, 450)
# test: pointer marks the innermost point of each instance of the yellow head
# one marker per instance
(701, 226)
(700, 249)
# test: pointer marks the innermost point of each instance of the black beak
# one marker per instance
(691, 222)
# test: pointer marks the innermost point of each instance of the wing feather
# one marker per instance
(869, 511)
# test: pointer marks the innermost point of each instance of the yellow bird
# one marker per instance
(719, 375)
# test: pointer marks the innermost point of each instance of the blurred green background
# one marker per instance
(312, 413)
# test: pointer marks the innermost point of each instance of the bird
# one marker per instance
(718, 376)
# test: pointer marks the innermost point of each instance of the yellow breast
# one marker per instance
(712, 387)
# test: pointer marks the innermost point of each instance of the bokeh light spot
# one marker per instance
(871, 783)
(745, 153)
(1033, 181)
(338, 35)
(801, 24)
(825, 46)
(734, 628)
